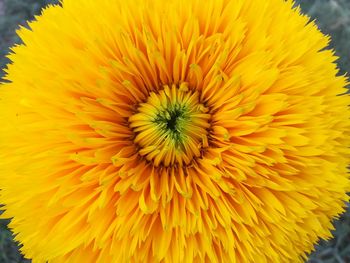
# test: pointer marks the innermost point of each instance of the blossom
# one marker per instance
(172, 131)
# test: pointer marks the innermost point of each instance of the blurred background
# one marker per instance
(333, 18)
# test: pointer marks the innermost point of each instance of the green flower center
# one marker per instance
(171, 127)
(172, 121)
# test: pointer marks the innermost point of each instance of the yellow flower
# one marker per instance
(172, 131)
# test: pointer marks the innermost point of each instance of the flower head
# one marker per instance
(172, 131)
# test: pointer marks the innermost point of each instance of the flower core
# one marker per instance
(171, 127)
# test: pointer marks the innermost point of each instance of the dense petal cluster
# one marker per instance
(172, 131)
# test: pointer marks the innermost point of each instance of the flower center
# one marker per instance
(172, 121)
(171, 127)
